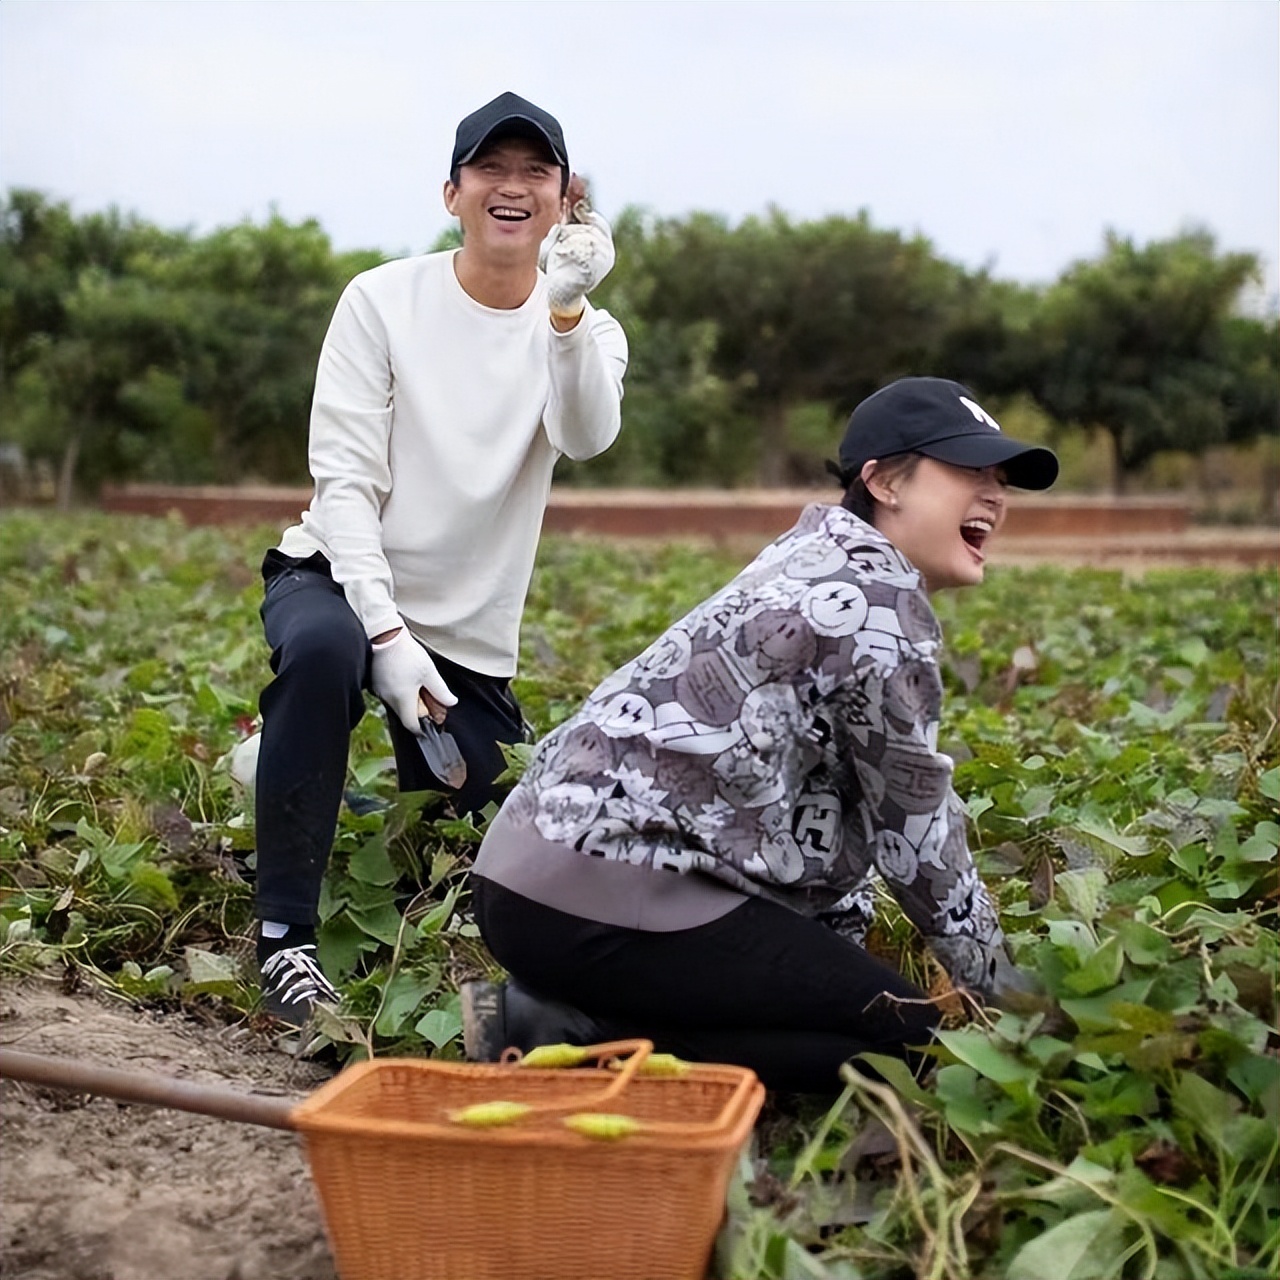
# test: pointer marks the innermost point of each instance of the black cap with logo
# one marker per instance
(508, 116)
(942, 420)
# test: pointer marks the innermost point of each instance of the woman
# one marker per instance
(689, 858)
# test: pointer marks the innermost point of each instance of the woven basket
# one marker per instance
(410, 1194)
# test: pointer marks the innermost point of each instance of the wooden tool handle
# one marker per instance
(145, 1087)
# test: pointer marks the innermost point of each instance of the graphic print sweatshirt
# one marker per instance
(781, 739)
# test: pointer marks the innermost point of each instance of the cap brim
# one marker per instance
(1026, 466)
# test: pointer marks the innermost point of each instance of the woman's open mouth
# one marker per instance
(975, 532)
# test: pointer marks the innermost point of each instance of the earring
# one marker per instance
(894, 505)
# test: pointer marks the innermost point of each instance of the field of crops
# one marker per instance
(1117, 751)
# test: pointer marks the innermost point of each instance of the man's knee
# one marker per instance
(327, 653)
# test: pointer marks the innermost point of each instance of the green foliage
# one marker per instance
(1119, 758)
(1144, 345)
(772, 313)
(1117, 753)
(128, 352)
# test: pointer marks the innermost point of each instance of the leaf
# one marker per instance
(1105, 834)
(382, 922)
(1208, 1108)
(666, 1065)
(1269, 784)
(1176, 986)
(440, 1026)
(1073, 938)
(1098, 1013)
(1143, 944)
(1088, 1246)
(1142, 1018)
(207, 971)
(1066, 1188)
(1084, 891)
(1100, 971)
(1248, 1139)
(151, 885)
(1040, 888)
(896, 1073)
(797, 1263)
(341, 944)
(209, 966)
(977, 805)
(974, 1048)
(1213, 925)
(403, 995)
(371, 864)
(149, 737)
(1258, 1078)
(158, 981)
(366, 772)
(1262, 845)
(964, 1108)
(362, 896)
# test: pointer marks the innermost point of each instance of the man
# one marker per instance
(447, 387)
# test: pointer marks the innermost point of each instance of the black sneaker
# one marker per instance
(293, 983)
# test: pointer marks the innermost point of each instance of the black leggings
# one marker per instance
(321, 659)
(761, 987)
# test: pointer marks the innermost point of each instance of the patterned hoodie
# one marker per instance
(781, 738)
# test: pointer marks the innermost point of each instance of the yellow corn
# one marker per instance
(489, 1115)
(602, 1125)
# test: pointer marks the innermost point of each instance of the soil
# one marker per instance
(93, 1189)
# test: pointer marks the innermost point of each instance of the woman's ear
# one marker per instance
(876, 487)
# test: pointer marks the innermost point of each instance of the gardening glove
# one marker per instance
(1014, 990)
(402, 673)
(576, 255)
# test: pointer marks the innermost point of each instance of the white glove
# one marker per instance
(576, 256)
(402, 668)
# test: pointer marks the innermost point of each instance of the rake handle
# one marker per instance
(145, 1087)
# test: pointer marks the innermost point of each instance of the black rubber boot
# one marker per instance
(498, 1016)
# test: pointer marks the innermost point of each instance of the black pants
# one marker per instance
(321, 659)
(761, 987)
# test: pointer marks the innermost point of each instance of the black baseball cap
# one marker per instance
(942, 420)
(508, 115)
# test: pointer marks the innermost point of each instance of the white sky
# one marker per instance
(1012, 133)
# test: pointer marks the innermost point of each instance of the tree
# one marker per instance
(255, 302)
(1137, 345)
(76, 324)
(127, 351)
(786, 314)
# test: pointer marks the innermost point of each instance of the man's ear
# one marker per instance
(450, 196)
(876, 487)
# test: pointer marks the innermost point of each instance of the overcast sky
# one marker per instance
(1012, 134)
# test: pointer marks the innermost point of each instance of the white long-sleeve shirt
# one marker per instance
(435, 426)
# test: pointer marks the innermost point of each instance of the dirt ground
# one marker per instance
(92, 1189)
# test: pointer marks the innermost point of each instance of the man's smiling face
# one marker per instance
(507, 199)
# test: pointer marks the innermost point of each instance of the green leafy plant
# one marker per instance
(1116, 750)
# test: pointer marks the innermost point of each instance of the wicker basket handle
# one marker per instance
(636, 1051)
